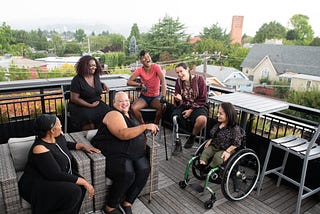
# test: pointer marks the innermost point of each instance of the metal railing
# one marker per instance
(22, 101)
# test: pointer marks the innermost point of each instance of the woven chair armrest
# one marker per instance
(8, 181)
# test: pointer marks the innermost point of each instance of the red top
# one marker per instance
(150, 80)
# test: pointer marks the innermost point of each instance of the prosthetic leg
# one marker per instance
(177, 146)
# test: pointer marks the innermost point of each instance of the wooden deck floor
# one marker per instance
(170, 198)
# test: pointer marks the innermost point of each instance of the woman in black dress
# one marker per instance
(123, 144)
(50, 182)
(86, 107)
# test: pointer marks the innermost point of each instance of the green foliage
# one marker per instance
(114, 59)
(80, 36)
(166, 36)
(302, 28)
(121, 70)
(38, 40)
(272, 30)
(2, 74)
(315, 42)
(16, 73)
(281, 89)
(308, 98)
(19, 49)
(6, 38)
(265, 80)
(216, 33)
(72, 48)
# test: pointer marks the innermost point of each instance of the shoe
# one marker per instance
(189, 142)
(126, 209)
(115, 211)
(177, 148)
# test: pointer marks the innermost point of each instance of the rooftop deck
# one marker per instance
(170, 198)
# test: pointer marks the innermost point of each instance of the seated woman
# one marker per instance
(86, 108)
(50, 182)
(190, 100)
(121, 139)
(225, 137)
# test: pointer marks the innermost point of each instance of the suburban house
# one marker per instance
(8, 61)
(228, 77)
(57, 62)
(299, 65)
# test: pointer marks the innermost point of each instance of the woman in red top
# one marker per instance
(150, 77)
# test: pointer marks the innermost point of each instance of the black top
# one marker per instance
(111, 146)
(53, 165)
(79, 85)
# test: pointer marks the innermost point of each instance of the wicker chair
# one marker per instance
(100, 182)
(13, 157)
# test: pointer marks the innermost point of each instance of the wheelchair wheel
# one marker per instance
(241, 175)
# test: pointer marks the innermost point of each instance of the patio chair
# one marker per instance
(300, 147)
(13, 157)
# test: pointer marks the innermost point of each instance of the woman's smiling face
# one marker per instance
(182, 73)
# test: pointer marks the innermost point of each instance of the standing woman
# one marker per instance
(50, 182)
(190, 99)
(86, 107)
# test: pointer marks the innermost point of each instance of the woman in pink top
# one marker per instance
(150, 78)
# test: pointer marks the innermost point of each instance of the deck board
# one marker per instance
(170, 198)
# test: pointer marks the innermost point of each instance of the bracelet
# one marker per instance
(227, 151)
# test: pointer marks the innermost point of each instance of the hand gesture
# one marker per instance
(178, 97)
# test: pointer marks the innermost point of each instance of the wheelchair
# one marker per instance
(238, 176)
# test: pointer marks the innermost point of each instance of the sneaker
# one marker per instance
(177, 148)
(189, 142)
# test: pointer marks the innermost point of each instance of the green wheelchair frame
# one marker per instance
(239, 175)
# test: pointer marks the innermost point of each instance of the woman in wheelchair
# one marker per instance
(225, 138)
(224, 159)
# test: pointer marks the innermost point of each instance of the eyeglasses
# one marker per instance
(124, 101)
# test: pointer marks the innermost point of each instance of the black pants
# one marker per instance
(128, 179)
(52, 197)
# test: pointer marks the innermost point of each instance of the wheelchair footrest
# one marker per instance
(197, 187)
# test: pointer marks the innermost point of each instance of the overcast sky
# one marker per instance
(120, 15)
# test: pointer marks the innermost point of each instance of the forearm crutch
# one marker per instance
(151, 168)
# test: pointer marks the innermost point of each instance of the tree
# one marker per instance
(80, 36)
(38, 40)
(215, 32)
(72, 48)
(6, 38)
(302, 28)
(315, 42)
(272, 30)
(166, 36)
(133, 39)
(57, 44)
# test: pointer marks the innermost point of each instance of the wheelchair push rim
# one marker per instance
(241, 175)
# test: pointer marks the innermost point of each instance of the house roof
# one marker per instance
(21, 62)
(286, 58)
(220, 72)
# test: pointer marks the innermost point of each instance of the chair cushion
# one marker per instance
(91, 134)
(19, 149)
